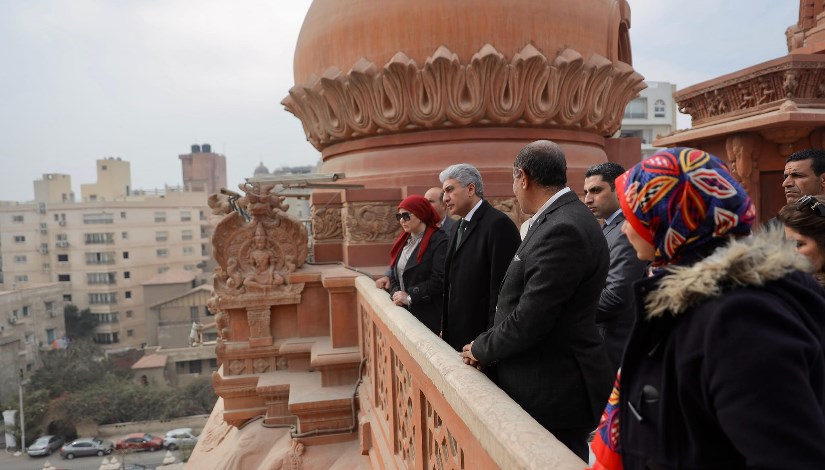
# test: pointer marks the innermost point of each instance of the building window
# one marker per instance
(125, 255)
(130, 333)
(123, 215)
(189, 267)
(64, 258)
(99, 218)
(106, 317)
(124, 235)
(186, 216)
(161, 236)
(18, 219)
(20, 259)
(98, 298)
(163, 269)
(62, 237)
(162, 252)
(126, 274)
(160, 217)
(19, 239)
(64, 277)
(659, 109)
(100, 278)
(106, 338)
(25, 310)
(128, 294)
(99, 238)
(188, 250)
(67, 297)
(186, 235)
(213, 363)
(105, 257)
(193, 314)
(21, 278)
(49, 308)
(128, 314)
(636, 109)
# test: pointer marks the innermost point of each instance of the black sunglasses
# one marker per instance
(402, 215)
(811, 202)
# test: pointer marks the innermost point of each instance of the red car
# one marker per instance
(140, 441)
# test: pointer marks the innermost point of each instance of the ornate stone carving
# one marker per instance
(406, 429)
(326, 224)
(531, 90)
(370, 223)
(510, 207)
(800, 80)
(255, 258)
(740, 149)
(382, 365)
(443, 451)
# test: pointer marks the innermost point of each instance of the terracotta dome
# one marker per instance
(340, 32)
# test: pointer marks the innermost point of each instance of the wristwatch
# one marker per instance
(409, 300)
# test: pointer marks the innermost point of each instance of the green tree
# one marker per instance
(80, 324)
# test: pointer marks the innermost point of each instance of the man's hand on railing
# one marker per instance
(468, 358)
(383, 282)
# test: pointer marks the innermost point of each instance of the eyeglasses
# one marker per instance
(402, 215)
(811, 202)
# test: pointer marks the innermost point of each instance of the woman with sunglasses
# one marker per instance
(805, 225)
(417, 262)
(725, 366)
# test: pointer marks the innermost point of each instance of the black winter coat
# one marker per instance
(725, 367)
(424, 281)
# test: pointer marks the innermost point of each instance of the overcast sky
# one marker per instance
(144, 79)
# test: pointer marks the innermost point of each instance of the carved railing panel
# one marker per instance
(424, 409)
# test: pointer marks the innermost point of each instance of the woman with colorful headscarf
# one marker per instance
(804, 223)
(417, 262)
(725, 365)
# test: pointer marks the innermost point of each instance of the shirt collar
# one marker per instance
(548, 204)
(473, 210)
(610, 219)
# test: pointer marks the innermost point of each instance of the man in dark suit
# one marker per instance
(615, 315)
(477, 257)
(548, 354)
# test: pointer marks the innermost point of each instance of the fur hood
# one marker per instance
(750, 261)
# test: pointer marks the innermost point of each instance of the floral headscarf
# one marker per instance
(682, 198)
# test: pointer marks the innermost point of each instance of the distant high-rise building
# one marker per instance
(54, 188)
(114, 180)
(203, 170)
(651, 114)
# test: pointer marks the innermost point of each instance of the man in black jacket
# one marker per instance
(479, 251)
(548, 354)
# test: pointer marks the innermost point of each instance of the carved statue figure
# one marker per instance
(789, 84)
(740, 153)
(264, 265)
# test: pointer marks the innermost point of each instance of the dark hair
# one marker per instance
(543, 161)
(609, 171)
(817, 157)
(804, 219)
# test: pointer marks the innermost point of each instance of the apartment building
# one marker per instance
(101, 250)
(31, 321)
(651, 114)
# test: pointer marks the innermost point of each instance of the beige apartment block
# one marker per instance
(114, 178)
(100, 252)
(31, 322)
(54, 188)
(650, 115)
(203, 169)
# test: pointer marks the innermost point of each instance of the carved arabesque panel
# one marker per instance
(442, 449)
(510, 207)
(366, 339)
(326, 224)
(530, 90)
(405, 428)
(370, 222)
(382, 370)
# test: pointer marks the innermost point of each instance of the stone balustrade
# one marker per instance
(421, 407)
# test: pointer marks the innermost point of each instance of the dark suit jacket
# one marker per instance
(424, 281)
(616, 314)
(473, 274)
(449, 226)
(550, 358)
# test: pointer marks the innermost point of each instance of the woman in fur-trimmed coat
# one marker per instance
(725, 367)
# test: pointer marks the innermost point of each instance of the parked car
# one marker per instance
(140, 441)
(86, 446)
(44, 445)
(181, 437)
